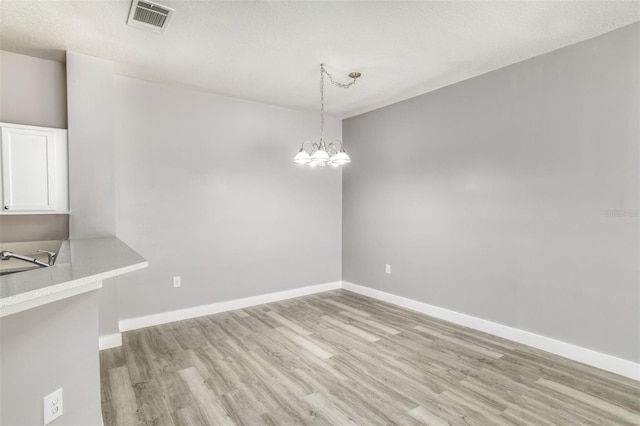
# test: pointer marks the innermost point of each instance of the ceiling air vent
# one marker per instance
(149, 16)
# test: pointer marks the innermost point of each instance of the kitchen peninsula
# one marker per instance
(49, 331)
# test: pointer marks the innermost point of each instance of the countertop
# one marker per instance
(81, 266)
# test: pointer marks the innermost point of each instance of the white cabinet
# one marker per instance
(34, 170)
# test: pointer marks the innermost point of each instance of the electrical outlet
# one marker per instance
(52, 406)
(176, 282)
(387, 269)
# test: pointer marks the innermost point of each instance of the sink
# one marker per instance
(28, 248)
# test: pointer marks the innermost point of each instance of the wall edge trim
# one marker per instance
(217, 307)
(567, 350)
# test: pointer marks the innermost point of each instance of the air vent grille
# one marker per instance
(149, 16)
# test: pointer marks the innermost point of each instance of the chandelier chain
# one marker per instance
(321, 104)
(337, 83)
(323, 71)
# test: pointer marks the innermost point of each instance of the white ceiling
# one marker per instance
(270, 51)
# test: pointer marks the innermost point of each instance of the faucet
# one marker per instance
(6, 255)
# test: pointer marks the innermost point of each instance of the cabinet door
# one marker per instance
(28, 169)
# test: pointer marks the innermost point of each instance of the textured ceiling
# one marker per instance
(270, 51)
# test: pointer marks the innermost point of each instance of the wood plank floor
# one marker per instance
(340, 358)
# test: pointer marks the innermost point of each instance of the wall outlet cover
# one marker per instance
(52, 406)
(387, 269)
(176, 282)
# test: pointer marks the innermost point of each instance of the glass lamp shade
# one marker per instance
(302, 157)
(340, 158)
(320, 158)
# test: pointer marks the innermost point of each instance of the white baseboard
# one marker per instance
(567, 350)
(109, 341)
(214, 308)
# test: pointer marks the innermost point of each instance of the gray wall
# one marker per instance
(91, 146)
(46, 348)
(91, 103)
(206, 189)
(511, 197)
(33, 91)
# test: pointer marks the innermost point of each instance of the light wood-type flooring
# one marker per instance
(340, 358)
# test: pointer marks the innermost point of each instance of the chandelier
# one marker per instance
(322, 154)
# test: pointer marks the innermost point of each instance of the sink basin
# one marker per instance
(28, 248)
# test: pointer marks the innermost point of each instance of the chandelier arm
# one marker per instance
(314, 146)
(333, 144)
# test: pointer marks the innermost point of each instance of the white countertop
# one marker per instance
(81, 266)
